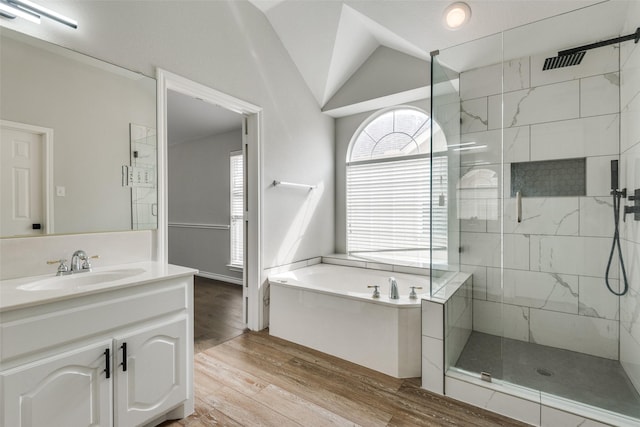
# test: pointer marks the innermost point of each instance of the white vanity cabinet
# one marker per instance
(70, 389)
(150, 373)
(121, 357)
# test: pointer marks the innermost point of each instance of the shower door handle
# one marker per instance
(519, 206)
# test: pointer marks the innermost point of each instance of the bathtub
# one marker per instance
(329, 308)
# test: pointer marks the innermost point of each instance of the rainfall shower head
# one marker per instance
(569, 57)
(563, 60)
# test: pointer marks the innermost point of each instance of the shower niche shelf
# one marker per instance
(550, 178)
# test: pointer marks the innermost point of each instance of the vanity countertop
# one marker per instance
(13, 297)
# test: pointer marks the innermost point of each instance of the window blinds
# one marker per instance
(388, 205)
(236, 209)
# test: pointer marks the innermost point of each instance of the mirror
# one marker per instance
(78, 143)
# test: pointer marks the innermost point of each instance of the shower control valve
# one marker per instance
(635, 209)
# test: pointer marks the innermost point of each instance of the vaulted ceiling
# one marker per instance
(330, 40)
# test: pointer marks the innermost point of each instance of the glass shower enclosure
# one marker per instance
(530, 210)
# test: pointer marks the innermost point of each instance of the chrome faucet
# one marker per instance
(63, 270)
(80, 262)
(376, 292)
(393, 288)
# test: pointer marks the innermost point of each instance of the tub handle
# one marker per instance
(376, 291)
(413, 294)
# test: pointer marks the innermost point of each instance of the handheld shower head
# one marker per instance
(614, 175)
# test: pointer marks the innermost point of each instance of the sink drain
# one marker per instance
(544, 372)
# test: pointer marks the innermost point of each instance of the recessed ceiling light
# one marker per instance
(456, 15)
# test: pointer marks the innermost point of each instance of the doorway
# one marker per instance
(27, 176)
(205, 198)
(203, 141)
(170, 85)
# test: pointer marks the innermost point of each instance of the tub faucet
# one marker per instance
(376, 292)
(393, 288)
(413, 294)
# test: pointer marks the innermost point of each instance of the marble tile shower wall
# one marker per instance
(630, 178)
(552, 285)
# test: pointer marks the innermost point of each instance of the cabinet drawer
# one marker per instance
(91, 317)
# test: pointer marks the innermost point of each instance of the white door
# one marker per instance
(151, 376)
(21, 181)
(70, 389)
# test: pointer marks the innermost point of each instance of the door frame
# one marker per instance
(251, 143)
(47, 163)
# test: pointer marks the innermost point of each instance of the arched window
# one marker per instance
(388, 187)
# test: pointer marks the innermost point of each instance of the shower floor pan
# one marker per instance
(587, 379)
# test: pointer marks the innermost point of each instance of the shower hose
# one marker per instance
(616, 242)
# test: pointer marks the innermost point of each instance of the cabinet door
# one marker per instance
(155, 377)
(70, 389)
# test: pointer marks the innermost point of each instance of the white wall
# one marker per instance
(229, 46)
(630, 178)
(385, 73)
(554, 260)
(199, 194)
(89, 110)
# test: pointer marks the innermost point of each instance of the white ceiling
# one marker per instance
(190, 119)
(329, 40)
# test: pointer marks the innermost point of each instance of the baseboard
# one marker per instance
(220, 277)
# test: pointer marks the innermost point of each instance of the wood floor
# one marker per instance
(217, 312)
(255, 379)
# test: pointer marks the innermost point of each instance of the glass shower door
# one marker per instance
(466, 82)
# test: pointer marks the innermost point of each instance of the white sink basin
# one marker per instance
(79, 280)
